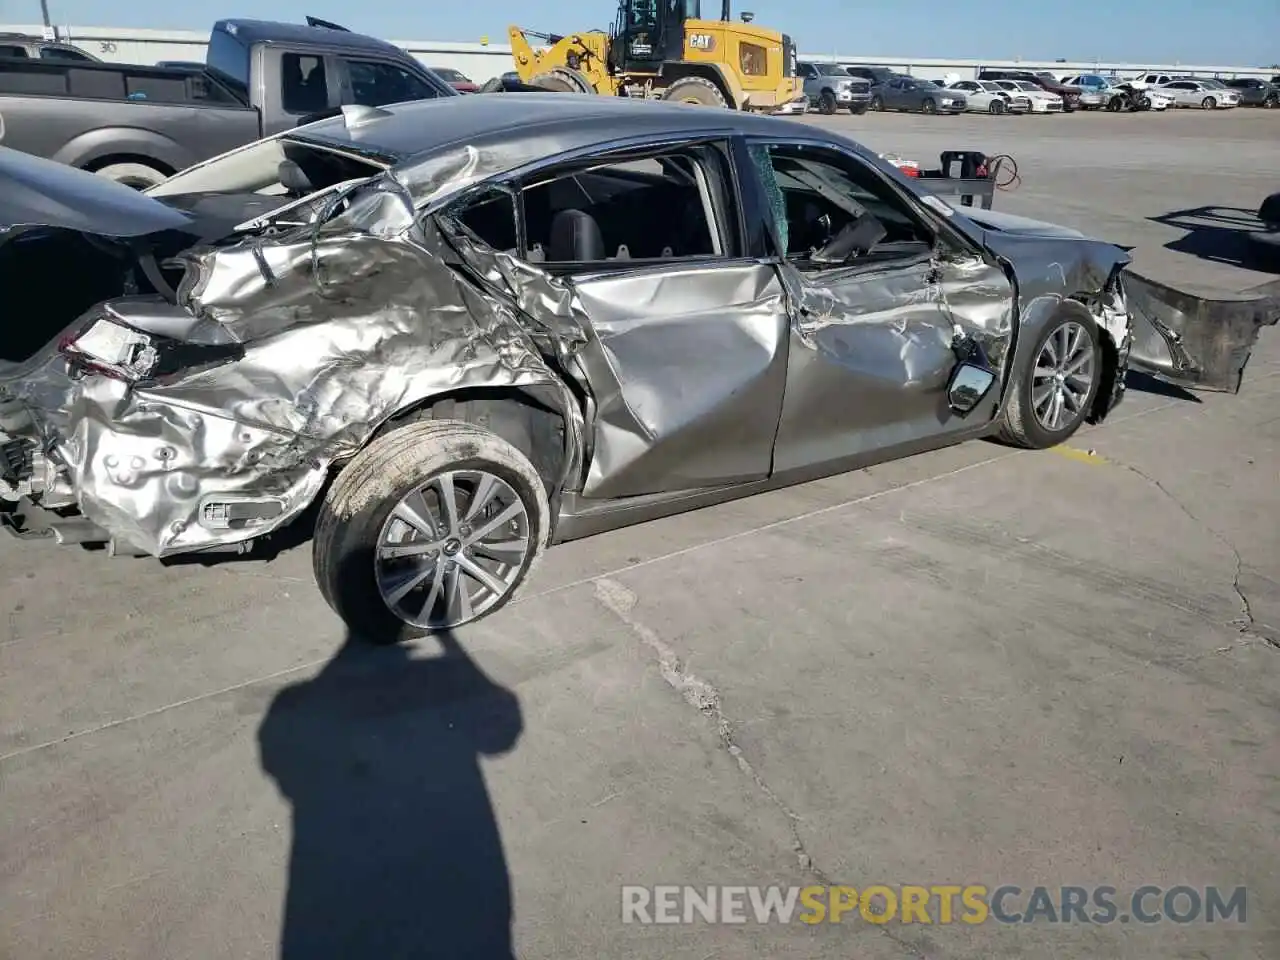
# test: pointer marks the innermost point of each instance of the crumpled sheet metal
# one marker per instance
(343, 331)
(680, 394)
(887, 339)
(1194, 339)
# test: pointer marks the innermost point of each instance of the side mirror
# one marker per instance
(968, 387)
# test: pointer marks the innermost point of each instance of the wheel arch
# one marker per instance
(541, 421)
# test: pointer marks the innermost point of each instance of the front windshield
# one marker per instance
(450, 75)
(1214, 84)
(990, 86)
(1026, 85)
(831, 70)
(256, 169)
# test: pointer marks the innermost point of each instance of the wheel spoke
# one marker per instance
(459, 607)
(486, 490)
(498, 549)
(410, 583)
(448, 502)
(491, 583)
(414, 511)
(399, 551)
(508, 514)
(1041, 395)
(433, 595)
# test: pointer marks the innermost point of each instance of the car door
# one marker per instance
(372, 81)
(896, 94)
(873, 339)
(686, 332)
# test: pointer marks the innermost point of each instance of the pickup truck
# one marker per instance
(141, 124)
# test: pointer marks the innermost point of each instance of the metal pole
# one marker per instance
(44, 12)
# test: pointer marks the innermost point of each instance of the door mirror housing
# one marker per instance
(968, 387)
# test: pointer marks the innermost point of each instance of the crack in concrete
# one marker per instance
(1245, 624)
(704, 697)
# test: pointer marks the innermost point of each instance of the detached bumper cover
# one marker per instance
(1192, 340)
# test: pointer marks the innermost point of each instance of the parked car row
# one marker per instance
(840, 86)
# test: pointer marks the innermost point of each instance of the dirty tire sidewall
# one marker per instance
(695, 91)
(1018, 424)
(136, 175)
(368, 488)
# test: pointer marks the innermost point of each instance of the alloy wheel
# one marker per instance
(452, 548)
(1062, 377)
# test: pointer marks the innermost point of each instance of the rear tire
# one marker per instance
(357, 511)
(136, 175)
(696, 91)
(1021, 425)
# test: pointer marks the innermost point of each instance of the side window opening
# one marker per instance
(304, 87)
(375, 84)
(817, 196)
(670, 206)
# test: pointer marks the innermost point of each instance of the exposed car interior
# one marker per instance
(671, 206)
(826, 214)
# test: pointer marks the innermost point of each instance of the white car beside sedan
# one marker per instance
(987, 96)
(1041, 100)
(1198, 93)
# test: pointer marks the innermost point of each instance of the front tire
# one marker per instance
(431, 526)
(827, 105)
(1054, 394)
(696, 91)
(858, 109)
(1209, 103)
(996, 107)
(928, 106)
(877, 104)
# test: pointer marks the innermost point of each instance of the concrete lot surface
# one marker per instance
(976, 666)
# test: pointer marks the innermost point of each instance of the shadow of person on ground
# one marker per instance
(396, 850)
(1219, 235)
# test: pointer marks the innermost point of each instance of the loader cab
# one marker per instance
(650, 32)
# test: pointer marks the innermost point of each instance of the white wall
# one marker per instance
(480, 62)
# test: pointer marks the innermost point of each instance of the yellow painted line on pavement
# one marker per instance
(1079, 456)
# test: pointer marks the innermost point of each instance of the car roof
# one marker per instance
(524, 123)
(271, 31)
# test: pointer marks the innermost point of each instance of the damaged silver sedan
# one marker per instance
(464, 329)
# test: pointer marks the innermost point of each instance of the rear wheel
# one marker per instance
(1209, 103)
(1271, 102)
(434, 525)
(827, 103)
(1053, 395)
(997, 106)
(928, 106)
(696, 91)
(136, 175)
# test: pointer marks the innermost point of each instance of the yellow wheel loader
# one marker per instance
(663, 49)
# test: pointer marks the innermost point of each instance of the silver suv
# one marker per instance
(829, 87)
